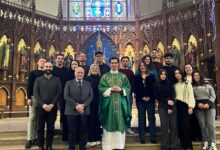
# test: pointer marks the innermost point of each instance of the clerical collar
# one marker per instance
(113, 72)
(48, 76)
(78, 80)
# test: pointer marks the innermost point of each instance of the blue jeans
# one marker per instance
(206, 120)
(142, 107)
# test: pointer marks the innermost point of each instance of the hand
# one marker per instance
(45, 107)
(190, 111)
(50, 107)
(29, 102)
(146, 98)
(116, 89)
(201, 106)
(80, 108)
(206, 106)
(170, 102)
(170, 111)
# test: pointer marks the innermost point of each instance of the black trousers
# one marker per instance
(75, 123)
(63, 120)
(183, 125)
(168, 128)
(49, 118)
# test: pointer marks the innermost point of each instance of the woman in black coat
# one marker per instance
(143, 89)
(71, 72)
(94, 130)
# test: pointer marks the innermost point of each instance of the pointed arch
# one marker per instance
(21, 96)
(5, 95)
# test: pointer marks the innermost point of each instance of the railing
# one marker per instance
(15, 5)
(180, 5)
(150, 15)
(46, 14)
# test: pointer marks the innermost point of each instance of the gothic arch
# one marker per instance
(5, 96)
(21, 96)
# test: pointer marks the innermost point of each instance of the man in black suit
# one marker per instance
(78, 95)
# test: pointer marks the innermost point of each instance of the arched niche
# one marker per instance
(190, 55)
(52, 54)
(175, 50)
(69, 55)
(4, 96)
(160, 48)
(130, 52)
(4, 52)
(21, 97)
(145, 51)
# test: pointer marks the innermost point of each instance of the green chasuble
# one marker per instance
(114, 111)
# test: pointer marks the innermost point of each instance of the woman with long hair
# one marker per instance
(94, 130)
(164, 93)
(148, 61)
(205, 112)
(143, 89)
(71, 72)
(194, 125)
(185, 103)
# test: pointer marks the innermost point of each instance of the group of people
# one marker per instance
(95, 102)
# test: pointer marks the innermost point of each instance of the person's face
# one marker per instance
(99, 58)
(114, 64)
(79, 73)
(178, 75)
(41, 63)
(47, 68)
(153, 54)
(74, 65)
(125, 62)
(94, 70)
(163, 76)
(82, 57)
(143, 67)
(196, 76)
(169, 60)
(147, 60)
(59, 60)
(188, 69)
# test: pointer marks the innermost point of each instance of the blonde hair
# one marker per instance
(98, 70)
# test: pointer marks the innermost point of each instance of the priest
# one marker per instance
(114, 112)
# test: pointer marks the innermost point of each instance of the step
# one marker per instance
(133, 146)
(21, 139)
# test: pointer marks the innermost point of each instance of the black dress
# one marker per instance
(94, 130)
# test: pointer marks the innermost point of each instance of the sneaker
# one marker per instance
(205, 146)
(129, 131)
(98, 142)
(213, 146)
(28, 144)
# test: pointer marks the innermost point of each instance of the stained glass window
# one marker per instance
(98, 8)
(119, 8)
(75, 9)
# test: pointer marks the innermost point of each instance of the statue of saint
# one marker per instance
(176, 55)
(24, 58)
(5, 52)
(191, 54)
(68, 59)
